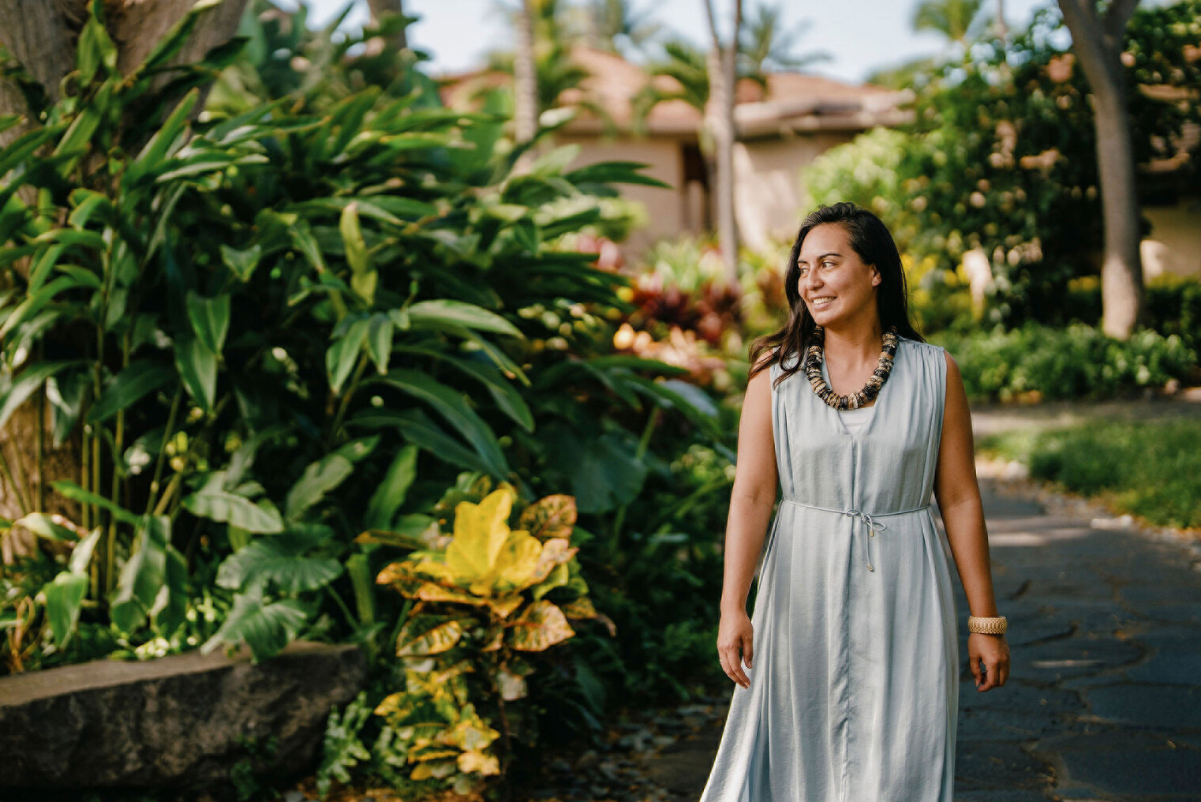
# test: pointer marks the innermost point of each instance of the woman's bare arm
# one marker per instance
(751, 500)
(958, 492)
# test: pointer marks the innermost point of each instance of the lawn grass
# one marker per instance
(1149, 469)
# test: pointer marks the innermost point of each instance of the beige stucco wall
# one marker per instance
(1174, 245)
(770, 188)
(662, 155)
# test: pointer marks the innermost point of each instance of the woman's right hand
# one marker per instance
(734, 641)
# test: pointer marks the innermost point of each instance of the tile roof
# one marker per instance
(792, 101)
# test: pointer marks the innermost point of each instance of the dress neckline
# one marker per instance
(873, 409)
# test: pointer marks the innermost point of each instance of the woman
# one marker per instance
(848, 671)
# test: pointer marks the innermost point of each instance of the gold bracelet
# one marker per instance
(988, 625)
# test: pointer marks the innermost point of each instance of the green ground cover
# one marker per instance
(1148, 469)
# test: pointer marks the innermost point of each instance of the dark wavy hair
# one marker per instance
(871, 239)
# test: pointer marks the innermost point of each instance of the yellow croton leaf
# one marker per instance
(579, 608)
(555, 551)
(433, 769)
(434, 640)
(505, 605)
(480, 533)
(539, 626)
(486, 557)
(470, 733)
(478, 762)
(553, 516)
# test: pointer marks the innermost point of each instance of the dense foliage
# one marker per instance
(290, 339)
(1001, 155)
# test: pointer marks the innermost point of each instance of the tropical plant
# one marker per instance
(1000, 158)
(767, 47)
(258, 290)
(485, 600)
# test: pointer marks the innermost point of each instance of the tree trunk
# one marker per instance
(525, 85)
(719, 117)
(41, 35)
(1097, 43)
(384, 8)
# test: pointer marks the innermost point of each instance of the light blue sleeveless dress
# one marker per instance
(855, 690)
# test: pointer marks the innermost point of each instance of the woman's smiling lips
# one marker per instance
(821, 301)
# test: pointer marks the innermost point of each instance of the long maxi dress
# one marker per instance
(854, 694)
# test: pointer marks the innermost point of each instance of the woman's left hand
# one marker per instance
(988, 657)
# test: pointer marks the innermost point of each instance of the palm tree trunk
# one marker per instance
(1097, 43)
(383, 8)
(525, 84)
(719, 118)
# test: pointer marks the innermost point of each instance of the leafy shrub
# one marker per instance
(1001, 157)
(1037, 362)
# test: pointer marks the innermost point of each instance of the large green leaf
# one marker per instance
(389, 496)
(379, 341)
(144, 575)
(165, 139)
(265, 627)
(50, 526)
(69, 489)
(27, 383)
(452, 405)
(613, 172)
(324, 475)
(216, 504)
(128, 387)
(64, 597)
(197, 366)
(94, 47)
(441, 312)
(242, 263)
(210, 319)
(603, 471)
(417, 427)
(278, 560)
(344, 352)
(363, 276)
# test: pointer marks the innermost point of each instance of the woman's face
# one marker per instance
(834, 283)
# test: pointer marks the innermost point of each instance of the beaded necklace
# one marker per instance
(813, 369)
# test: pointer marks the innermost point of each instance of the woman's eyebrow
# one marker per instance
(823, 256)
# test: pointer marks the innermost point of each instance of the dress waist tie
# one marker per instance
(867, 518)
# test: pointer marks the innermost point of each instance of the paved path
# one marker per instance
(1103, 702)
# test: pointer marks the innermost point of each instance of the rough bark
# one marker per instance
(1097, 43)
(41, 35)
(719, 117)
(383, 8)
(525, 83)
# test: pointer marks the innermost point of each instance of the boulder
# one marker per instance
(183, 721)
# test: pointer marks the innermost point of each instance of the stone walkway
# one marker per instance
(1103, 700)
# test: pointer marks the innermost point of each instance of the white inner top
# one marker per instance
(854, 419)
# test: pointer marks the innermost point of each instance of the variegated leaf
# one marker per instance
(434, 640)
(539, 626)
(550, 517)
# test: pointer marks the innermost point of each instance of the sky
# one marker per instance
(861, 35)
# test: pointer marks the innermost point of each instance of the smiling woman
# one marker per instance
(854, 625)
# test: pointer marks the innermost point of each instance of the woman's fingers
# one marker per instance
(748, 650)
(735, 670)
